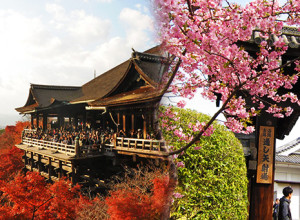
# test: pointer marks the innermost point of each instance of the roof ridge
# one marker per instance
(40, 86)
(288, 146)
(149, 57)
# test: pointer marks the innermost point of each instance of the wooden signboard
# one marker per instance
(265, 155)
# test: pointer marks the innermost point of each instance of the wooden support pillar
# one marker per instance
(124, 123)
(261, 194)
(132, 122)
(73, 174)
(118, 116)
(60, 170)
(37, 120)
(84, 120)
(39, 163)
(31, 122)
(150, 121)
(77, 147)
(156, 162)
(49, 168)
(61, 121)
(76, 121)
(25, 158)
(45, 121)
(24, 170)
(31, 161)
(144, 127)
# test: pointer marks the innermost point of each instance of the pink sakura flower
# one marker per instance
(181, 104)
(180, 164)
(177, 195)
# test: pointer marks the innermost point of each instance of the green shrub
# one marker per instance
(213, 181)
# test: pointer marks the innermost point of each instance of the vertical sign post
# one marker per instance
(265, 155)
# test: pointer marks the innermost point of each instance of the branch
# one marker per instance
(198, 136)
(229, 5)
(173, 73)
(190, 8)
(36, 208)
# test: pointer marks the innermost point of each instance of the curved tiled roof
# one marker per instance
(289, 153)
(140, 95)
(288, 159)
(107, 82)
(291, 37)
(41, 96)
(149, 65)
(103, 84)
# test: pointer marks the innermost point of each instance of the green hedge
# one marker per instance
(213, 182)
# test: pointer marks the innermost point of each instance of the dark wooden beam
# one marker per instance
(261, 194)
(132, 122)
(124, 122)
(49, 168)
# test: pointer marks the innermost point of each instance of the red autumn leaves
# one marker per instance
(31, 197)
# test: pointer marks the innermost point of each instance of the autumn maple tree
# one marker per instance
(10, 156)
(205, 39)
(30, 197)
(140, 194)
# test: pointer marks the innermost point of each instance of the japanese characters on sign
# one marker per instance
(265, 155)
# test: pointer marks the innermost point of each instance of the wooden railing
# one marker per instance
(133, 145)
(146, 146)
(49, 145)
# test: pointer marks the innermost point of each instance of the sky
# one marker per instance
(63, 42)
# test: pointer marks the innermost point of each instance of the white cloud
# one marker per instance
(56, 10)
(87, 27)
(78, 25)
(63, 50)
(137, 26)
(108, 54)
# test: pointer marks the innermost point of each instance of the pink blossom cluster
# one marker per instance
(199, 126)
(206, 37)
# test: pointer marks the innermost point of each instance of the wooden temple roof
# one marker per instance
(41, 96)
(134, 80)
(291, 37)
(140, 95)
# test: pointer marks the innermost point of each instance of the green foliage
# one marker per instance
(2, 131)
(213, 182)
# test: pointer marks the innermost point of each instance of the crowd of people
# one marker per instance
(87, 136)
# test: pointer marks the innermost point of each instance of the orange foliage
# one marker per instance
(12, 135)
(10, 163)
(10, 156)
(28, 197)
(133, 204)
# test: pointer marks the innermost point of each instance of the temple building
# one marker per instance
(112, 118)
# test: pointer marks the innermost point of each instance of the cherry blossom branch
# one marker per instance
(190, 8)
(213, 118)
(173, 73)
(223, 107)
